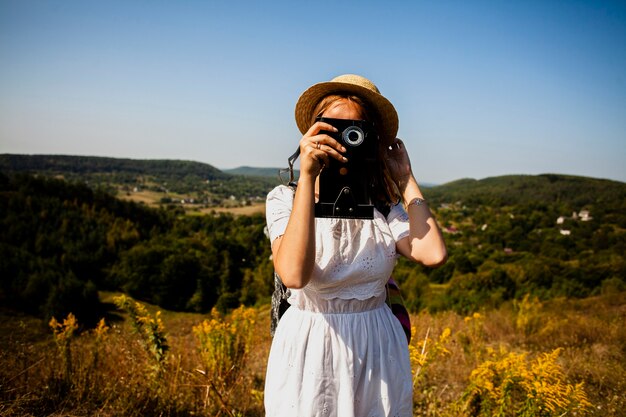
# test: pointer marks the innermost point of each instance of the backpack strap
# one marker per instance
(279, 302)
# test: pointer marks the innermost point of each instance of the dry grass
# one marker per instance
(112, 374)
(590, 333)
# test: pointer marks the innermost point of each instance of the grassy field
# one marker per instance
(150, 198)
(153, 199)
(238, 211)
(556, 358)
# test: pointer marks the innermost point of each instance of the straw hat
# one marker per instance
(352, 85)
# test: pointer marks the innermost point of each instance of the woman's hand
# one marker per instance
(317, 148)
(398, 163)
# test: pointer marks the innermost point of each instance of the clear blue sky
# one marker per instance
(482, 88)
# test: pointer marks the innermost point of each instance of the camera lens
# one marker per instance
(353, 136)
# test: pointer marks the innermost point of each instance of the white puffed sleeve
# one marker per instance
(398, 221)
(277, 210)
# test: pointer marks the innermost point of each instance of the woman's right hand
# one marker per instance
(317, 148)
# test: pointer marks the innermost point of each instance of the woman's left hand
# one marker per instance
(398, 162)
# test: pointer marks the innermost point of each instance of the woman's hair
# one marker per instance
(327, 101)
(385, 189)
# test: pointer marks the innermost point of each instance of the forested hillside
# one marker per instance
(255, 172)
(549, 235)
(562, 191)
(174, 180)
(64, 241)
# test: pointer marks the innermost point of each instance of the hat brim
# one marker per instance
(387, 116)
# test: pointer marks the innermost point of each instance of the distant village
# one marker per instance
(171, 198)
(583, 216)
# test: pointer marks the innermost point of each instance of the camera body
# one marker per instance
(345, 189)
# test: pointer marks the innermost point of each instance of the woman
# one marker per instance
(339, 351)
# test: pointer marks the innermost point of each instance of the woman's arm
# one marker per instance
(294, 251)
(425, 242)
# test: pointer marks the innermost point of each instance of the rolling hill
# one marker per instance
(532, 189)
(551, 235)
(253, 171)
(167, 180)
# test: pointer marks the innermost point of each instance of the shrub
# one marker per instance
(150, 329)
(508, 384)
(224, 346)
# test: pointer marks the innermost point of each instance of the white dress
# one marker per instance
(339, 351)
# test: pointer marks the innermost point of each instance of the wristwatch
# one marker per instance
(416, 202)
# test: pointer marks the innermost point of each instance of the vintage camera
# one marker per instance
(345, 189)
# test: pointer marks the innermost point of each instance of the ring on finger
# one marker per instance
(317, 145)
